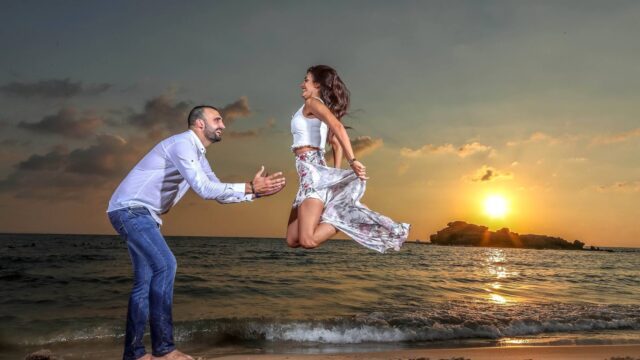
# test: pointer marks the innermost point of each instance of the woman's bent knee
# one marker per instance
(308, 242)
(292, 242)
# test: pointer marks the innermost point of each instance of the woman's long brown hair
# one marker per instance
(333, 91)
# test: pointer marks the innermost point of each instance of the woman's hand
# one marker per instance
(359, 169)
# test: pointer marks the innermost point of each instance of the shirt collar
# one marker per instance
(198, 143)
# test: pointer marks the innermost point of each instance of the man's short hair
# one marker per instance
(197, 112)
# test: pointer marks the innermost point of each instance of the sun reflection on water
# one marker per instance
(496, 268)
(498, 299)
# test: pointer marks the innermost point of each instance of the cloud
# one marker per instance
(54, 185)
(616, 138)
(111, 157)
(462, 151)
(162, 116)
(620, 186)
(64, 174)
(54, 88)
(53, 160)
(362, 146)
(488, 173)
(365, 145)
(12, 150)
(540, 137)
(533, 138)
(66, 123)
(238, 109)
(9, 143)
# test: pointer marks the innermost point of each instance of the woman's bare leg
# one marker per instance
(292, 229)
(310, 232)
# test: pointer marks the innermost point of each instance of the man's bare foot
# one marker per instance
(145, 357)
(174, 355)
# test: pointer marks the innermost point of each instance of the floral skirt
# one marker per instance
(341, 190)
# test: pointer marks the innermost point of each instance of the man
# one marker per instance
(154, 185)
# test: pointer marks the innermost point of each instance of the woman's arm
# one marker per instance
(323, 113)
(337, 150)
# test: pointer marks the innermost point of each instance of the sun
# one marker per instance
(495, 206)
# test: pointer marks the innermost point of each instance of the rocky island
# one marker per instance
(464, 234)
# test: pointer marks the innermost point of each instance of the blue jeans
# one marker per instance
(154, 270)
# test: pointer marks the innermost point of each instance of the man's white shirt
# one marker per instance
(165, 174)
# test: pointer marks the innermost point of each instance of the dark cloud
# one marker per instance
(362, 146)
(64, 174)
(238, 109)
(52, 185)
(111, 157)
(12, 150)
(487, 173)
(53, 160)
(67, 122)
(161, 116)
(7, 143)
(621, 186)
(54, 88)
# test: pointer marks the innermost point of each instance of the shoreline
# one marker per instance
(553, 352)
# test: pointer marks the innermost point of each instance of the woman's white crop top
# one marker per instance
(308, 131)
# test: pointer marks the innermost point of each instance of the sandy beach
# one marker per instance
(608, 352)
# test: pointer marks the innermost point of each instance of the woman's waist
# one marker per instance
(310, 140)
(310, 155)
(302, 149)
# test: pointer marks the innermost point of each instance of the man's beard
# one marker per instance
(211, 134)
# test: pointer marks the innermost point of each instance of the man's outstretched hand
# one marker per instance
(265, 184)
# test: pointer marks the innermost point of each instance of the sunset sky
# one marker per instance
(452, 102)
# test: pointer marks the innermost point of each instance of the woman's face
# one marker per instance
(309, 87)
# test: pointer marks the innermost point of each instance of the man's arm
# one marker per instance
(185, 157)
(246, 189)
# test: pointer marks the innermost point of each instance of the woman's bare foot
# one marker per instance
(174, 355)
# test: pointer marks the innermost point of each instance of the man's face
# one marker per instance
(213, 125)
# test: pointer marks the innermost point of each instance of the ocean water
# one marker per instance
(69, 293)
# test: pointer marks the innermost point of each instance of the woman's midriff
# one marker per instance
(302, 149)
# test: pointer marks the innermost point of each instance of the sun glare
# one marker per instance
(495, 206)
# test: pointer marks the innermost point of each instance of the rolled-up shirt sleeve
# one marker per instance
(185, 157)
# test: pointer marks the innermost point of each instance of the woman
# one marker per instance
(328, 199)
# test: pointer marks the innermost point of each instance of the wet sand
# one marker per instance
(587, 352)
